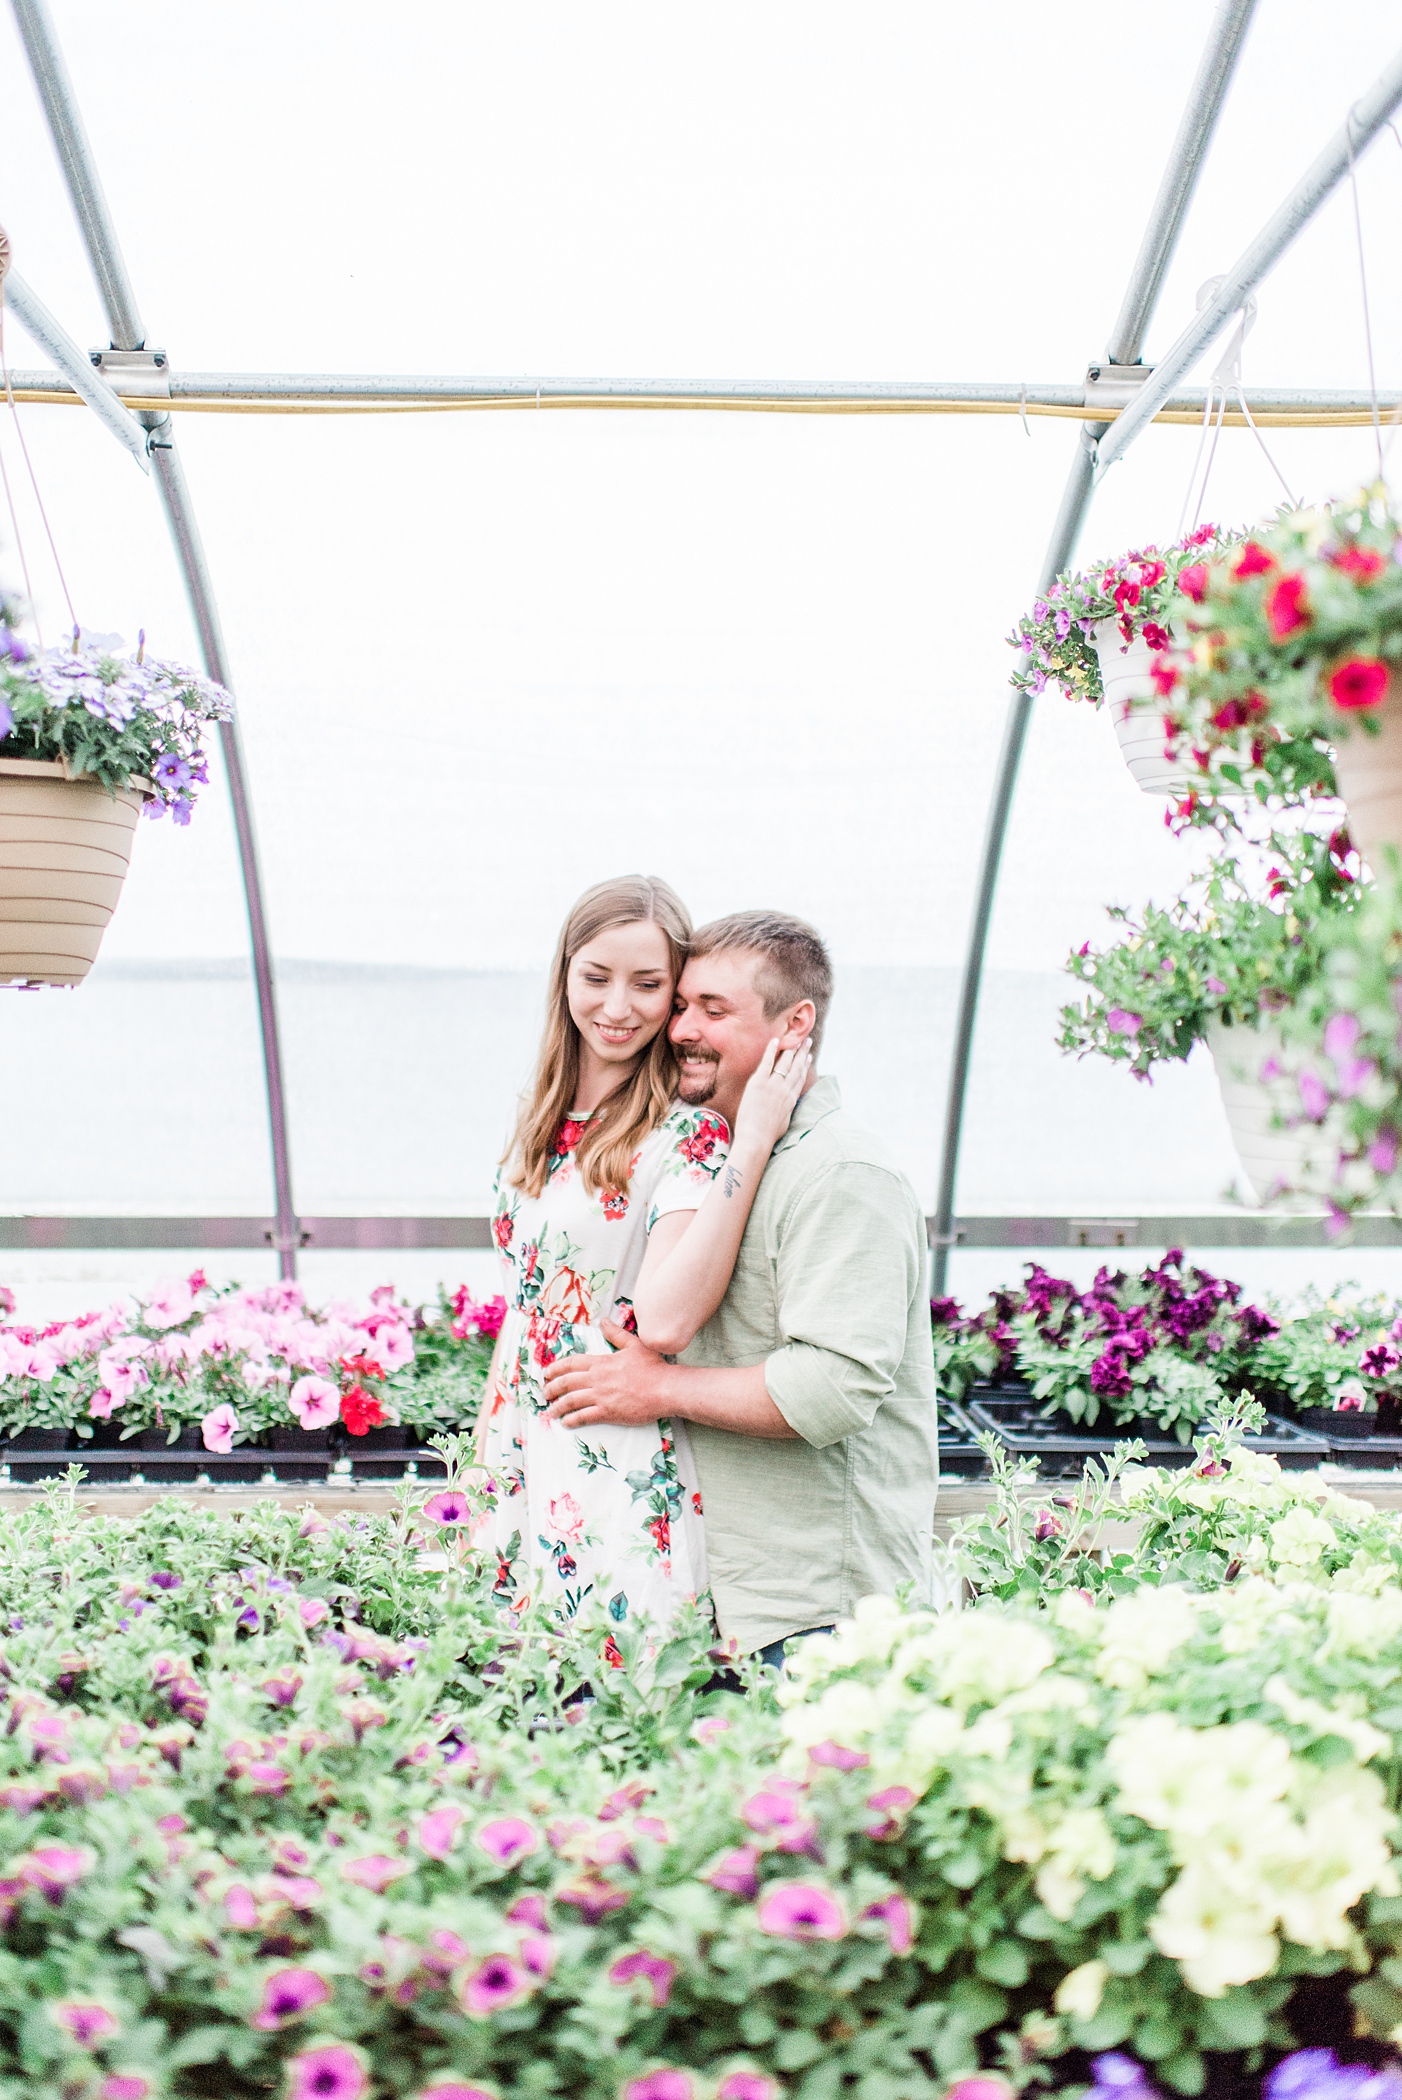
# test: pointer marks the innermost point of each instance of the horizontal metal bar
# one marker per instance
(60, 1234)
(372, 390)
(388, 1235)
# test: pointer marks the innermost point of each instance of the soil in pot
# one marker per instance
(300, 1454)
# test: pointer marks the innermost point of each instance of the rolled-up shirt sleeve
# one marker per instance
(847, 1256)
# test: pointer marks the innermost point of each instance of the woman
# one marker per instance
(600, 1153)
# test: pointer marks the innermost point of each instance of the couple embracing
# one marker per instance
(716, 1295)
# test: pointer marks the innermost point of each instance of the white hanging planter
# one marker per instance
(1303, 1160)
(64, 848)
(1368, 770)
(1136, 709)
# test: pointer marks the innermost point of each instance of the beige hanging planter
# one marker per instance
(64, 847)
(1301, 1161)
(1368, 770)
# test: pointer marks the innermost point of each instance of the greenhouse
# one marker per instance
(701, 1043)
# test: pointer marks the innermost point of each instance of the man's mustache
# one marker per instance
(697, 1052)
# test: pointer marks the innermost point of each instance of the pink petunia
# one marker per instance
(495, 1985)
(897, 1914)
(448, 1508)
(508, 1839)
(312, 1610)
(374, 1871)
(653, 1970)
(54, 1868)
(287, 1994)
(838, 1756)
(437, 1831)
(315, 1402)
(124, 2085)
(736, 1873)
(85, 2023)
(662, 2084)
(219, 1427)
(801, 1910)
(335, 2071)
(747, 2085)
(455, 2089)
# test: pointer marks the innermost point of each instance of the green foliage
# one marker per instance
(1248, 939)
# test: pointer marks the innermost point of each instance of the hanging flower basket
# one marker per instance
(1099, 635)
(1127, 676)
(1368, 770)
(1288, 683)
(1298, 1161)
(64, 848)
(89, 740)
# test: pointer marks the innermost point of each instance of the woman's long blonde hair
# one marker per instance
(605, 1152)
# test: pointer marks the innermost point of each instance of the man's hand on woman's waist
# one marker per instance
(633, 1384)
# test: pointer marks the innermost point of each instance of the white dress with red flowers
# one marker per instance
(607, 1519)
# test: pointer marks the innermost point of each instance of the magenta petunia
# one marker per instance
(654, 1970)
(455, 2089)
(529, 1910)
(335, 2071)
(86, 2024)
(890, 1804)
(124, 2085)
(801, 1910)
(495, 1985)
(508, 1839)
(240, 1908)
(287, 1994)
(777, 1813)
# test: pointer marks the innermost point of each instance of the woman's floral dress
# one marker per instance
(608, 1517)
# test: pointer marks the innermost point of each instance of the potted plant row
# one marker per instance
(236, 1382)
(90, 739)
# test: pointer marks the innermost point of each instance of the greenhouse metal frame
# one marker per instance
(133, 389)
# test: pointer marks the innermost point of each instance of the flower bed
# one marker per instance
(286, 1808)
(229, 1368)
(1157, 1352)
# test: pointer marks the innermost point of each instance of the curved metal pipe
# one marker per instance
(128, 333)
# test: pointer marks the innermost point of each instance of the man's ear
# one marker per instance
(798, 1024)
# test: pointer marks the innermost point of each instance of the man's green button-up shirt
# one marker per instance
(830, 1295)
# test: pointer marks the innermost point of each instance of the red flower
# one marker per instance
(1287, 608)
(1201, 537)
(1363, 564)
(1150, 573)
(1235, 714)
(568, 1136)
(1125, 594)
(611, 1653)
(1157, 637)
(1361, 682)
(697, 1150)
(1252, 561)
(1164, 674)
(662, 1534)
(501, 1232)
(1192, 581)
(615, 1204)
(361, 1411)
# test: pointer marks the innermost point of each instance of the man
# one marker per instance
(810, 1393)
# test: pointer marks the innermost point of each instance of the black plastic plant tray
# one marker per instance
(1379, 1454)
(961, 1455)
(1016, 1420)
(246, 1465)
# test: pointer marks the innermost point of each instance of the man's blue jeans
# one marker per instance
(773, 1656)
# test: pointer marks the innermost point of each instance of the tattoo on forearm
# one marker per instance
(732, 1180)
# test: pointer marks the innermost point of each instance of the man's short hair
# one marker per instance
(793, 962)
